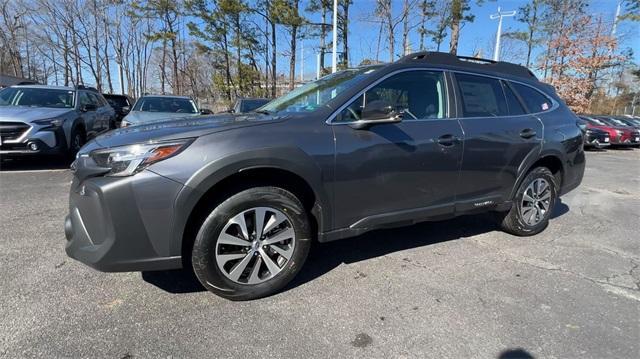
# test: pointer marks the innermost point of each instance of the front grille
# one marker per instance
(12, 130)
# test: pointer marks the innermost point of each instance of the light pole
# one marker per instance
(499, 15)
(334, 55)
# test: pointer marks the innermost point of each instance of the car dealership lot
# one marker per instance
(457, 288)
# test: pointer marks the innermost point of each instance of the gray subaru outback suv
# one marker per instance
(40, 119)
(240, 197)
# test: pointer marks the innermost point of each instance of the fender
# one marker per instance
(530, 161)
(289, 159)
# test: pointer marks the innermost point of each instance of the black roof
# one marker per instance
(471, 63)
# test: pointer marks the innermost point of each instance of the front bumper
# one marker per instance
(44, 142)
(597, 140)
(632, 140)
(122, 224)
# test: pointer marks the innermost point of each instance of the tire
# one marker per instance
(221, 234)
(526, 218)
(77, 139)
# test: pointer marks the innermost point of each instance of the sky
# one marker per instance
(479, 34)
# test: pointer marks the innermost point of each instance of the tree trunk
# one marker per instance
(274, 54)
(107, 62)
(345, 33)
(292, 59)
(405, 29)
(378, 43)
(392, 36)
(238, 30)
(163, 64)
(456, 16)
(323, 35)
(227, 63)
(266, 58)
(174, 52)
(423, 20)
(532, 28)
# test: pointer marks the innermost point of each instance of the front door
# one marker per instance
(397, 171)
(90, 118)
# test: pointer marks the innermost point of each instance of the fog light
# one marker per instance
(33, 146)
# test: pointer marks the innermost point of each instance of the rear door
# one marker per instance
(499, 139)
(397, 171)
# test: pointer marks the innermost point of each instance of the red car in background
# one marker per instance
(618, 134)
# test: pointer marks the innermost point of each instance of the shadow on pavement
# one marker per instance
(324, 257)
(515, 354)
(34, 163)
(174, 281)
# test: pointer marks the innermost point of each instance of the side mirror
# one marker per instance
(377, 112)
(205, 111)
(126, 109)
(88, 107)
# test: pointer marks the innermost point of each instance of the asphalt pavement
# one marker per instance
(453, 289)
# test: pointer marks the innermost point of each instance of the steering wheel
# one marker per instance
(353, 113)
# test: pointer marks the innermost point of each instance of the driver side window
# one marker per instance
(415, 94)
(83, 99)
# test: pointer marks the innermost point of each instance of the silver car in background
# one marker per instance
(40, 119)
(154, 108)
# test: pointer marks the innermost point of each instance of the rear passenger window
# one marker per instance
(533, 99)
(515, 107)
(481, 96)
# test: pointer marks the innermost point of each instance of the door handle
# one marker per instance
(447, 140)
(527, 133)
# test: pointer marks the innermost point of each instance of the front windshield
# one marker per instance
(165, 104)
(36, 97)
(316, 94)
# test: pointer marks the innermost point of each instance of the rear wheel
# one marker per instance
(533, 204)
(252, 244)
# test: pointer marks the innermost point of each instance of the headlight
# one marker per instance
(54, 122)
(128, 160)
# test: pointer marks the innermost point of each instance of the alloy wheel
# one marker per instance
(535, 202)
(255, 245)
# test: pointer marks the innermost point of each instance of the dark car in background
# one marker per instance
(40, 119)
(596, 138)
(154, 108)
(240, 198)
(244, 105)
(121, 104)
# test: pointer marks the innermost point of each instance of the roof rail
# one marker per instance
(444, 58)
(88, 88)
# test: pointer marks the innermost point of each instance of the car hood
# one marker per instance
(140, 117)
(29, 114)
(180, 128)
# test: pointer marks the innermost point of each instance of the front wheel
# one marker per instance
(252, 244)
(532, 205)
(78, 139)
